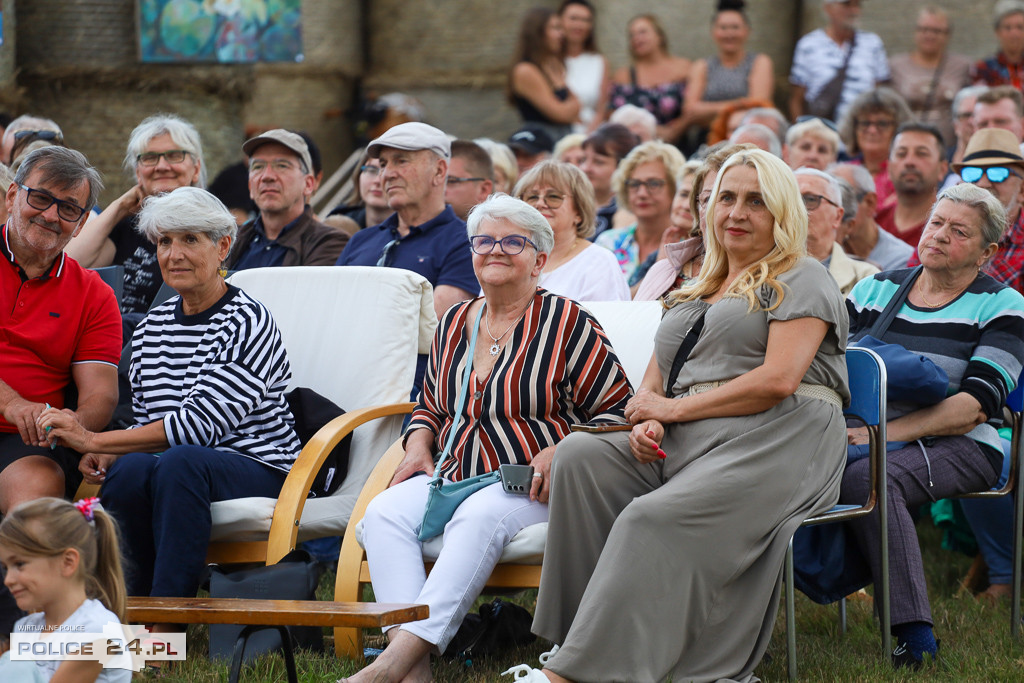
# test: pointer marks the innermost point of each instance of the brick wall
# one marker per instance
(76, 62)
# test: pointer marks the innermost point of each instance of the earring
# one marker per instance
(222, 271)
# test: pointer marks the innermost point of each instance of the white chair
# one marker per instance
(630, 327)
(352, 334)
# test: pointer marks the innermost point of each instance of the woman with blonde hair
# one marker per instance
(645, 182)
(576, 268)
(726, 456)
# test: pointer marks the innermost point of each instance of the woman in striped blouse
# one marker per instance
(972, 327)
(541, 364)
(208, 374)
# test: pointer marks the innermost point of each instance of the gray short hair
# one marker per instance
(834, 188)
(861, 176)
(186, 209)
(993, 215)
(969, 91)
(500, 206)
(761, 132)
(183, 133)
(850, 199)
(66, 168)
(781, 124)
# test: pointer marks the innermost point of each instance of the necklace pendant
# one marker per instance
(495, 349)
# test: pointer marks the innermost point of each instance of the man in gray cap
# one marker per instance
(423, 235)
(285, 233)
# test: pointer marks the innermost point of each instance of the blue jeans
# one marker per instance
(991, 520)
(162, 505)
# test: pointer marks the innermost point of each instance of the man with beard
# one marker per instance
(917, 166)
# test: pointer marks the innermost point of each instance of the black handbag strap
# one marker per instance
(689, 341)
(889, 312)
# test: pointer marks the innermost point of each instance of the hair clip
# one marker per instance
(87, 506)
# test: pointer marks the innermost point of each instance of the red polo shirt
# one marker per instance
(49, 323)
(886, 218)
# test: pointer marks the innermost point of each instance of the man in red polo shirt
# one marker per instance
(59, 324)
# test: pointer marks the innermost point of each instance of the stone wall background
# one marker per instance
(75, 61)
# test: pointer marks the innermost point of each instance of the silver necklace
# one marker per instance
(495, 349)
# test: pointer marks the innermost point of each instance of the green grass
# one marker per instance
(976, 642)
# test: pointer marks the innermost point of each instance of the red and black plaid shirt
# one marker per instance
(999, 70)
(1008, 263)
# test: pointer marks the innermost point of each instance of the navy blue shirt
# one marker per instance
(264, 252)
(438, 250)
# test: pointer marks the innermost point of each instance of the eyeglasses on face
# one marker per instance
(878, 124)
(369, 170)
(456, 180)
(41, 200)
(995, 174)
(653, 185)
(173, 156)
(931, 30)
(510, 244)
(258, 166)
(552, 200)
(813, 201)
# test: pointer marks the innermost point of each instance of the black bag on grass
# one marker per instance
(500, 626)
(295, 577)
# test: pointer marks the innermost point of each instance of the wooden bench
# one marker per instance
(262, 614)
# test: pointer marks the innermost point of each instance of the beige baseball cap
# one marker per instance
(292, 141)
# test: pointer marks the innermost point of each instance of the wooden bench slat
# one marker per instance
(283, 612)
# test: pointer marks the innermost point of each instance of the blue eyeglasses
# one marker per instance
(995, 174)
(510, 245)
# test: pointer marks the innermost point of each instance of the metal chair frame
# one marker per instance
(868, 398)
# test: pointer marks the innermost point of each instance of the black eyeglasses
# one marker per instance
(510, 245)
(173, 156)
(879, 124)
(653, 185)
(455, 180)
(386, 252)
(995, 174)
(552, 200)
(813, 201)
(41, 200)
(370, 170)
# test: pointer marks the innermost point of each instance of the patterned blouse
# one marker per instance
(556, 370)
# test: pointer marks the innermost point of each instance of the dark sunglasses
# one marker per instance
(995, 174)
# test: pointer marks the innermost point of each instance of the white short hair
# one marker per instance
(500, 206)
(631, 115)
(186, 209)
(834, 190)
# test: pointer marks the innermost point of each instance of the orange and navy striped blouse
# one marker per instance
(557, 369)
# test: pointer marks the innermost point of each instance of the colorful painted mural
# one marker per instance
(224, 31)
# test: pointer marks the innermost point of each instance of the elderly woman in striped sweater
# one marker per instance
(208, 374)
(548, 366)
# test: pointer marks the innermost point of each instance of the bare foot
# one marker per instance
(995, 593)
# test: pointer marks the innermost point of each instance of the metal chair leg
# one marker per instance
(1018, 530)
(842, 616)
(790, 613)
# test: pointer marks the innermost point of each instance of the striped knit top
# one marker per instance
(978, 339)
(557, 369)
(216, 378)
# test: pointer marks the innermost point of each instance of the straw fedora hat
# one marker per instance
(991, 147)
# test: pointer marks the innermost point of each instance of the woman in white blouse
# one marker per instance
(576, 268)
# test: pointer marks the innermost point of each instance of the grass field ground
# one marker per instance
(976, 642)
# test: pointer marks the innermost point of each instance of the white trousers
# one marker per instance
(473, 541)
